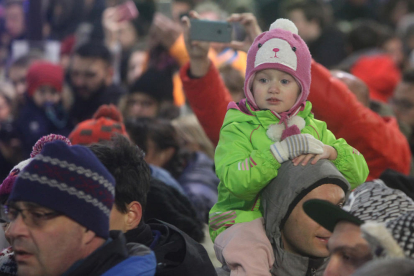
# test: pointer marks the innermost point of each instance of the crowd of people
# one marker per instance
(135, 150)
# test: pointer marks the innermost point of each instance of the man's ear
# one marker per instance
(134, 215)
(88, 236)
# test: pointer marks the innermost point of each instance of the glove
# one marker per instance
(296, 145)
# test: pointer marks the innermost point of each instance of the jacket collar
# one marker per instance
(287, 263)
(102, 259)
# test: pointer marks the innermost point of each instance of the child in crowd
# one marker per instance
(272, 125)
(43, 111)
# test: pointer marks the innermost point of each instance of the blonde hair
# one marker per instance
(189, 129)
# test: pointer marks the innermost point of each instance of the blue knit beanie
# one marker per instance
(70, 180)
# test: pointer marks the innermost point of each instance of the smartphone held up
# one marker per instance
(213, 31)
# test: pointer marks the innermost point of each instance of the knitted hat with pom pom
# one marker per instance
(7, 185)
(283, 49)
(106, 121)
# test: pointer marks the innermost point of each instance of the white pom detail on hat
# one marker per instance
(284, 24)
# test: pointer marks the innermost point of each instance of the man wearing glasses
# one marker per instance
(59, 218)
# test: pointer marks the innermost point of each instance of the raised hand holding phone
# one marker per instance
(251, 28)
(197, 50)
(213, 31)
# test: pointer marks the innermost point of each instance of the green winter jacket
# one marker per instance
(245, 165)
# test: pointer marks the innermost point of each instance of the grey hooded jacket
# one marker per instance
(279, 198)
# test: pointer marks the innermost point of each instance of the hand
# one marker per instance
(296, 145)
(165, 30)
(249, 22)
(197, 50)
(112, 25)
(329, 153)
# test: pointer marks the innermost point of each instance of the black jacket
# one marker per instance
(175, 251)
(106, 257)
(84, 109)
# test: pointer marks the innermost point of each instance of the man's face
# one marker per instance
(349, 250)
(403, 103)
(141, 105)
(14, 17)
(89, 75)
(17, 76)
(302, 235)
(44, 247)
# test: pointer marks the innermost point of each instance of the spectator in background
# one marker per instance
(402, 103)
(355, 85)
(91, 79)
(69, 16)
(314, 22)
(43, 111)
(150, 96)
(193, 170)
(234, 82)
(17, 73)
(175, 251)
(193, 136)
(369, 62)
(356, 9)
(107, 122)
(9, 143)
(393, 46)
(15, 22)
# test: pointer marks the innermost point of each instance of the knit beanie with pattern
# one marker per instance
(70, 180)
(106, 122)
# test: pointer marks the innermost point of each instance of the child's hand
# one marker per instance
(328, 153)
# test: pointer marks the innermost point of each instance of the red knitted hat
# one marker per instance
(44, 73)
(106, 121)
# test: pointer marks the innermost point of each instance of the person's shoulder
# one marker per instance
(142, 263)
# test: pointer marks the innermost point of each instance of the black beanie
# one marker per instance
(155, 83)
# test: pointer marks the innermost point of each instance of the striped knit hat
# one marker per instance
(7, 185)
(70, 180)
(106, 121)
(44, 73)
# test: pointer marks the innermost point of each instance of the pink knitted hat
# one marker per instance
(280, 48)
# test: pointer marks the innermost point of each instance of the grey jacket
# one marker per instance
(279, 198)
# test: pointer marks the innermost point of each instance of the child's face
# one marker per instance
(275, 90)
(46, 93)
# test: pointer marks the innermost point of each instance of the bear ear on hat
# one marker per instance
(284, 24)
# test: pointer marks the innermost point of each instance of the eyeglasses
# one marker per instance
(31, 217)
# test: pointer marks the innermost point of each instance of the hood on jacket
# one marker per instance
(281, 196)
